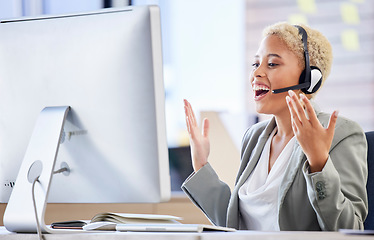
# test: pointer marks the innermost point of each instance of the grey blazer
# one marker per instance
(329, 200)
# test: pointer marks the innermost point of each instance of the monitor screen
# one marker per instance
(107, 67)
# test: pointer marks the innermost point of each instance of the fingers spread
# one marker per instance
(332, 122)
(189, 113)
(294, 117)
(299, 110)
(205, 127)
(310, 110)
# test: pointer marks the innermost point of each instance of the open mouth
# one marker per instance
(260, 90)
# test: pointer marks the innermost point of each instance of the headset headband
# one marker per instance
(304, 38)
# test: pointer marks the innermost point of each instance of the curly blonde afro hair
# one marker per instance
(320, 51)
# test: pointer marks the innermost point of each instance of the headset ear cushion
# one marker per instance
(316, 79)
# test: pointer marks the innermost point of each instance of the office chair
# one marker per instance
(369, 222)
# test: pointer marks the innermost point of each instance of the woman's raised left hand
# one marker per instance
(314, 139)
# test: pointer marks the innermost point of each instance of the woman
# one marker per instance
(302, 169)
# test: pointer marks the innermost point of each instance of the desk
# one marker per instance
(239, 235)
(179, 205)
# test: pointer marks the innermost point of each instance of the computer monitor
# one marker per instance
(101, 72)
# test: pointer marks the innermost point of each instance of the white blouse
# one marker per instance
(258, 196)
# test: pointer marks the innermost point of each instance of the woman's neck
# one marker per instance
(281, 138)
(284, 125)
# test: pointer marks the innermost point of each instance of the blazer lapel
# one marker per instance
(248, 163)
(297, 158)
(250, 159)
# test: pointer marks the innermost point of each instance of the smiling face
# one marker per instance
(274, 67)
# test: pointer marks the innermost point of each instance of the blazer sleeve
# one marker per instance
(208, 193)
(338, 193)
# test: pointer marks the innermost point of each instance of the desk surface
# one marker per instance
(239, 235)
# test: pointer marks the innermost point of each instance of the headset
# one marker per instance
(311, 78)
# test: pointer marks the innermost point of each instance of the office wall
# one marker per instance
(19, 8)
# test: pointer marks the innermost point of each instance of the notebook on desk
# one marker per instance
(154, 227)
(170, 228)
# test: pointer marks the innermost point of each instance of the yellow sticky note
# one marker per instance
(350, 40)
(349, 13)
(307, 6)
(297, 19)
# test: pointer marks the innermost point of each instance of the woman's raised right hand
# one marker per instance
(199, 141)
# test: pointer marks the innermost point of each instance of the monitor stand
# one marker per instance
(38, 163)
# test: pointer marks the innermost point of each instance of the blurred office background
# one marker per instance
(208, 46)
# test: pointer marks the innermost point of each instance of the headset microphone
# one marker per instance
(311, 78)
(295, 87)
